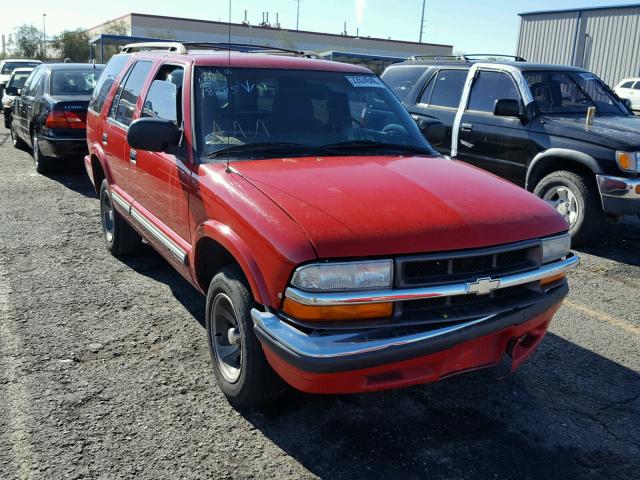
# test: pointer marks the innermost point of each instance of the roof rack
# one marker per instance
(185, 47)
(468, 57)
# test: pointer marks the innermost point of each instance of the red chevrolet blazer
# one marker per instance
(338, 251)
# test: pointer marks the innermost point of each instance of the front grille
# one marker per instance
(469, 265)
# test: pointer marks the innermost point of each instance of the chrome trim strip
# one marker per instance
(342, 344)
(169, 244)
(122, 202)
(398, 295)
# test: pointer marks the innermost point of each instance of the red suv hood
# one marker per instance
(367, 206)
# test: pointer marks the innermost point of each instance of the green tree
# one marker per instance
(73, 44)
(28, 41)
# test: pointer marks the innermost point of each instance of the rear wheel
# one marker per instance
(576, 198)
(43, 163)
(15, 139)
(119, 237)
(239, 364)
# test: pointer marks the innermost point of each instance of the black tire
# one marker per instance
(257, 384)
(43, 164)
(15, 138)
(589, 216)
(120, 237)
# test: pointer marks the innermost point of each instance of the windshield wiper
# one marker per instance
(373, 145)
(287, 147)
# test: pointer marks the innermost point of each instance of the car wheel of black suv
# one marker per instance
(43, 163)
(119, 236)
(239, 364)
(15, 139)
(577, 200)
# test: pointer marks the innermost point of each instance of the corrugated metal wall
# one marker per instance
(604, 41)
(548, 38)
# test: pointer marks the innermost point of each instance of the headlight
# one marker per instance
(555, 248)
(344, 276)
(628, 161)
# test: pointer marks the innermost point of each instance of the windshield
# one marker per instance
(74, 82)
(18, 78)
(9, 67)
(257, 113)
(572, 92)
(401, 79)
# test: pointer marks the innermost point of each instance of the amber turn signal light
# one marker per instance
(552, 279)
(337, 312)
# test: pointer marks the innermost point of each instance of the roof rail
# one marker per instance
(175, 47)
(468, 57)
(185, 47)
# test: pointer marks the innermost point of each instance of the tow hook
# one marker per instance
(507, 365)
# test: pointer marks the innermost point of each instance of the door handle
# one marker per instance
(466, 127)
(104, 138)
(132, 156)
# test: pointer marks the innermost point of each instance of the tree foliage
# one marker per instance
(73, 44)
(27, 40)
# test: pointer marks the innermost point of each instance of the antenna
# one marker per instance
(422, 20)
(228, 169)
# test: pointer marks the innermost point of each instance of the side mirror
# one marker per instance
(627, 103)
(433, 130)
(153, 134)
(13, 91)
(507, 108)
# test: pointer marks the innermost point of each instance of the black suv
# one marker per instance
(558, 131)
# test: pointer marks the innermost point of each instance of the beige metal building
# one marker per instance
(187, 29)
(604, 40)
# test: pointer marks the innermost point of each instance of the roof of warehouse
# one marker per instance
(586, 9)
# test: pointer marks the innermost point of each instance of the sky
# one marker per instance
(471, 26)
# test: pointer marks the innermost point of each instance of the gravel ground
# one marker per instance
(104, 373)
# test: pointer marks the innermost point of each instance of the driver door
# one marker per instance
(494, 143)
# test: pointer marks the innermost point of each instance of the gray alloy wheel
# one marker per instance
(106, 215)
(226, 338)
(565, 202)
(43, 165)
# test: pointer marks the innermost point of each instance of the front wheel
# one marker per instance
(239, 364)
(576, 198)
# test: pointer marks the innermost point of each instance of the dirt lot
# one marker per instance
(104, 373)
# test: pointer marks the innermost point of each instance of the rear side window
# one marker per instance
(636, 86)
(401, 79)
(104, 83)
(447, 89)
(165, 95)
(125, 103)
(32, 83)
(489, 87)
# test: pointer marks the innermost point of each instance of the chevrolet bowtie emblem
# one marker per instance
(483, 286)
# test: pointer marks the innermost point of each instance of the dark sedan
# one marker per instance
(49, 114)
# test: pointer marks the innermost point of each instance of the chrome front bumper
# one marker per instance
(340, 350)
(620, 196)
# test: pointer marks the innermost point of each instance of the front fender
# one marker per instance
(235, 245)
(560, 154)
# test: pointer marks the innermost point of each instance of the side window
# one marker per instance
(636, 86)
(447, 88)
(428, 90)
(39, 88)
(104, 83)
(164, 99)
(627, 85)
(125, 104)
(32, 84)
(489, 87)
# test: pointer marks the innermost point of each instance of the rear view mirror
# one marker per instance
(13, 91)
(153, 134)
(433, 130)
(507, 108)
